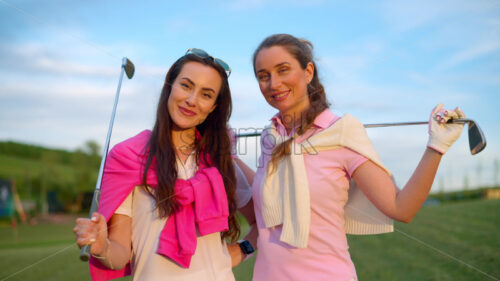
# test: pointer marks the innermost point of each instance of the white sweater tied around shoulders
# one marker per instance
(285, 194)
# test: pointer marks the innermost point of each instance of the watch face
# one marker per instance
(246, 247)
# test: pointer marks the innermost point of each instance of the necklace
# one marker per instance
(185, 149)
(185, 146)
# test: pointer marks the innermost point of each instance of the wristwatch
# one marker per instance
(246, 247)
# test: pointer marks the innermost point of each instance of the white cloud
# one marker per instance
(344, 67)
(406, 15)
(244, 87)
(42, 60)
(249, 106)
(245, 5)
(63, 100)
(180, 24)
(55, 88)
(350, 60)
(471, 53)
(241, 5)
(67, 114)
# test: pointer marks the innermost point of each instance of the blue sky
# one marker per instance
(382, 61)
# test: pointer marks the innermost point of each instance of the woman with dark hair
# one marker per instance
(169, 196)
(304, 204)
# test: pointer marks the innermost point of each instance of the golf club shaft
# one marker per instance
(381, 125)
(377, 125)
(85, 251)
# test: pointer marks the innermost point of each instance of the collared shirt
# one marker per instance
(324, 120)
(326, 256)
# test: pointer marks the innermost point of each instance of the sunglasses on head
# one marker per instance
(201, 53)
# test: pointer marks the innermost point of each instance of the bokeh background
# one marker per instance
(382, 61)
(387, 61)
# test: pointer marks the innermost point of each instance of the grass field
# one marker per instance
(455, 241)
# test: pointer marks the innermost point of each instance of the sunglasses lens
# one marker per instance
(223, 64)
(199, 52)
(203, 54)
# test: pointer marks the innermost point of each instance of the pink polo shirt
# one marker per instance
(327, 254)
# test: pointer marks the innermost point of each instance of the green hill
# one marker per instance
(37, 170)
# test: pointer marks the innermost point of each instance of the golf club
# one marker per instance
(128, 68)
(477, 141)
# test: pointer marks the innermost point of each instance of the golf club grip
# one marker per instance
(85, 251)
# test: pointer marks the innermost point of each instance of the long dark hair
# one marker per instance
(301, 50)
(214, 143)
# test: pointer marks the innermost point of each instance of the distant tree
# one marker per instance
(85, 163)
(441, 184)
(48, 177)
(39, 170)
(496, 166)
(82, 172)
(479, 170)
(466, 181)
(92, 148)
(34, 152)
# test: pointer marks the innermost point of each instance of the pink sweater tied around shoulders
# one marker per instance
(202, 199)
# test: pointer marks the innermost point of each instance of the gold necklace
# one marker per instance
(185, 146)
(185, 149)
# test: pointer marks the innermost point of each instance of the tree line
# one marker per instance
(55, 179)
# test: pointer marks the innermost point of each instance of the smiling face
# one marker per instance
(193, 95)
(282, 80)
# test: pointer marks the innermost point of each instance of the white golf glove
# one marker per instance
(441, 134)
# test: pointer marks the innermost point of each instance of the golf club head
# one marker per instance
(477, 141)
(129, 67)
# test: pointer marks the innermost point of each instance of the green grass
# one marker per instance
(466, 231)
(441, 243)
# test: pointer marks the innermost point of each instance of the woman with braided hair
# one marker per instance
(304, 200)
